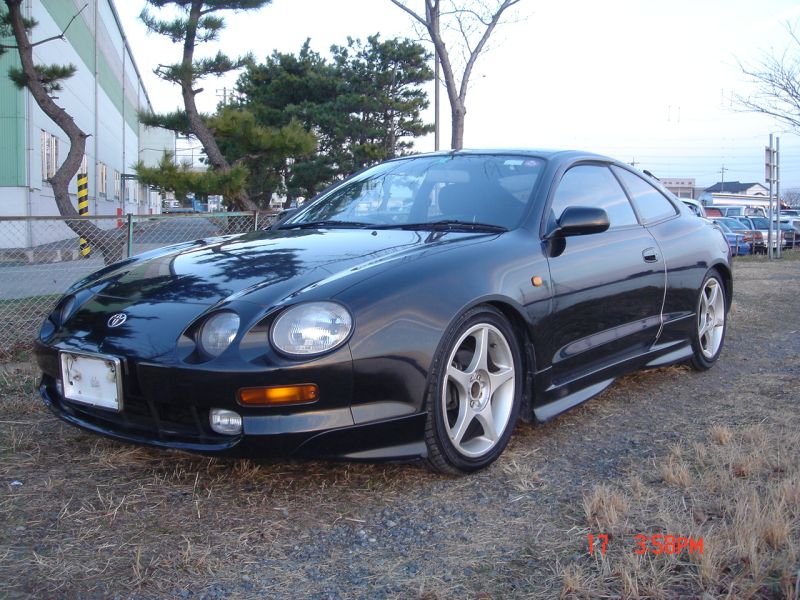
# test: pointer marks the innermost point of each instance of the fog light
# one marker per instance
(225, 422)
(286, 394)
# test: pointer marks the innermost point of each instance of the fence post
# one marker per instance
(83, 210)
(255, 220)
(130, 234)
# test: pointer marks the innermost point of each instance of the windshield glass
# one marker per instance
(733, 224)
(491, 190)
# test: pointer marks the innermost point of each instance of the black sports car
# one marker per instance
(417, 309)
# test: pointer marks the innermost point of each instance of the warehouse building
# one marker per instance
(104, 97)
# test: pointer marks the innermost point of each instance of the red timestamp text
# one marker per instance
(650, 544)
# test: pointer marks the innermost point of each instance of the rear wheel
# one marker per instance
(710, 323)
(474, 396)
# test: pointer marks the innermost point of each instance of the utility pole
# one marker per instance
(634, 162)
(770, 177)
(722, 180)
(778, 193)
(436, 84)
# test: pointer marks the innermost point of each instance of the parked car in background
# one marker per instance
(794, 222)
(512, 284)
(760, 225)
(694, 206)
(788, 235)
(738, 210)
(736, 226)
(736, 241)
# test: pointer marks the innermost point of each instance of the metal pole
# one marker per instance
(771, 173)
(435, 17)
(778, 193)
(436, 100)
(130, 234)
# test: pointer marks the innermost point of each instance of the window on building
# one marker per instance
(117, 184)
(49, 155)
(102, 179)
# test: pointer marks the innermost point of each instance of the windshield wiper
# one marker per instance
(446, 225)
(333, 223)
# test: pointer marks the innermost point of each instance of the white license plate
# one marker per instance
(92, 379)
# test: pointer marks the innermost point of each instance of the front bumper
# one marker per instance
(168, 407)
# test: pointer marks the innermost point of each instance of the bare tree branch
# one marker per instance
(472, 23)
(777, 80)
(63, 33)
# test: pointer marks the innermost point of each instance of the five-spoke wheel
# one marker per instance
(474, 400)
(711, 323)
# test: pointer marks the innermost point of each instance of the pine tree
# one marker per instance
(199, 24)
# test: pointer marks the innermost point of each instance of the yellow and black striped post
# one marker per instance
(83, 208)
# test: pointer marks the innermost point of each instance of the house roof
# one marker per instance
(732, 187)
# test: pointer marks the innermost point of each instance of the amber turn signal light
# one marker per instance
(279, 395)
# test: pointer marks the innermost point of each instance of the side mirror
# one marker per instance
(580, 220)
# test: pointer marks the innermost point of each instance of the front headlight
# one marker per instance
(313, 328)
(218, 332)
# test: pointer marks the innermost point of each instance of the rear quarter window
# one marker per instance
(650, 203)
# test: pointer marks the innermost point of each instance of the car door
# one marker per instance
(608, 288)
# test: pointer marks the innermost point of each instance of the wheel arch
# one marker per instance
(727, 280)
(525, 340)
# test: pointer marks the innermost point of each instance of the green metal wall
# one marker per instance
(80, 37)
(12, 126)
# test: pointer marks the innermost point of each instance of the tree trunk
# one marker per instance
(110, 243)
(241, 201)
(457, 115)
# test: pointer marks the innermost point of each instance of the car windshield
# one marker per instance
(732, 224)
(444, 191)
(760, 222)
(722, 225)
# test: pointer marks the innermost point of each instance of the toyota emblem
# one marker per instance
(117, 319)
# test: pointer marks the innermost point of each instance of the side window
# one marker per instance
(593, 185)
(651, 204)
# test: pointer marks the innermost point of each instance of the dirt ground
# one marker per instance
(709, 456)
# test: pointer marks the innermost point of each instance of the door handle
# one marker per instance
(650, 255)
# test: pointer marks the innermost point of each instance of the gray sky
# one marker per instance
(649, 81)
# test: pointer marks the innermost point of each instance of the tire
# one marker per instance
(475, 391)
(710, 324)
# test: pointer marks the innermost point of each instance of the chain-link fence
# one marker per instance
(40, 257)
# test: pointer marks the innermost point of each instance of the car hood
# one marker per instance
(162, 293)
(245, 266)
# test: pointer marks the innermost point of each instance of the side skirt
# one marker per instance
(579, 390)
(551, 409)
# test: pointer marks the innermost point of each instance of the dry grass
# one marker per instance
(664, 451)
(739, 491)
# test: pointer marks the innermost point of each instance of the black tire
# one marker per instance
(486, 394)
(711, 322)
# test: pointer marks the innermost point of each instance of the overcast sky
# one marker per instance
(644, 81)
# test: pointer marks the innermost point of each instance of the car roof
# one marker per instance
(547, 154)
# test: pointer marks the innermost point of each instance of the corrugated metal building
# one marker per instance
(104, 97)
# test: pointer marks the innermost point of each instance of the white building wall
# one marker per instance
(112, 140)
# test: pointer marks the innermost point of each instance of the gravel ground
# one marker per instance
(172, 525)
